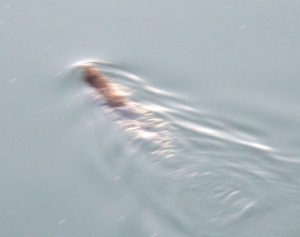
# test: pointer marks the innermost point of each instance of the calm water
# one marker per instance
(215, 151)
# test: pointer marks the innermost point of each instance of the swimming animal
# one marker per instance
(98, 81)
(133, 117)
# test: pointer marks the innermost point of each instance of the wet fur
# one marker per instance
(96, 79)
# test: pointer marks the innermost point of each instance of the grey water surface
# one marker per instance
(217, 152)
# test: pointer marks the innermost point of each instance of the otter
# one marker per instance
(133, 117)
(97, 80)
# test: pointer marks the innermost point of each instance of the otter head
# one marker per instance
(94, 77)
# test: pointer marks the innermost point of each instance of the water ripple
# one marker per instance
(196, 170)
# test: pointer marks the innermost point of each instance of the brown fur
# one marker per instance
(95, 78)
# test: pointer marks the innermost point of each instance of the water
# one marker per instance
(221, 79)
